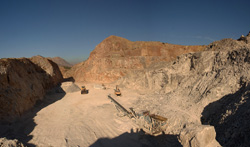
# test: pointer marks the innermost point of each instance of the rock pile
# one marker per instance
(70, 87)
(24, 81)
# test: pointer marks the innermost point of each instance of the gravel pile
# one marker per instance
(70, 87)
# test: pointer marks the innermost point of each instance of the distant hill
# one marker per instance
(60, 61)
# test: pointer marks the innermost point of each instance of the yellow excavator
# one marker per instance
(117, 91)
(84, 90)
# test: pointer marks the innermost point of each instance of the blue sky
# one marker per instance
(72, 28)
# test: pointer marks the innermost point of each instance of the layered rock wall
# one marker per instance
(115, 57)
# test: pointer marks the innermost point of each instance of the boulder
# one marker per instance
(199, 136)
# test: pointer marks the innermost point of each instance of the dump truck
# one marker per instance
(84, 90)
(117, 91)
(150, 123)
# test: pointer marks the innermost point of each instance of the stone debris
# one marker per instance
(70, 87)
(10, 143)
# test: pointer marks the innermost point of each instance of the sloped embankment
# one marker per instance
(23, 82)
(182, 89)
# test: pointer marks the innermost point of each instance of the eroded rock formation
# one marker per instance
(24, 81)
(115, 57)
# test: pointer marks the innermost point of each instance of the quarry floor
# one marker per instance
(74, 119)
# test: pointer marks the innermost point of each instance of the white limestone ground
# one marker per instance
(92, 120)
(73, 119)
(79, 120)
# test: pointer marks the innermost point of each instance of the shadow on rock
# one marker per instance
(23, 126)
(140, 139)
(69, 79)
(230, 116)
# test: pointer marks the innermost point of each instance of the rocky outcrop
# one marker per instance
(245, 39)
(229, 44)
(10, 143)
(115, 57)
(211, 79)
(199, 136)
(23, 82)
(49, 67)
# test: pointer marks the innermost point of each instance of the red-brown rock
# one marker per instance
(115, 57)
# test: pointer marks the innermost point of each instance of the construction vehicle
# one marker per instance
(104, 87)
(84, 90)
(150, 123)
(117, 91)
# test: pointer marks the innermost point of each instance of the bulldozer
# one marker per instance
(84, 90)
(150, 123)
(117, 91)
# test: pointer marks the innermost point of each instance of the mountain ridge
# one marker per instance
(115, 57)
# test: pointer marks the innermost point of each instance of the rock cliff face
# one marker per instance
(23, 82)
(115, 57)
(216, 79)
